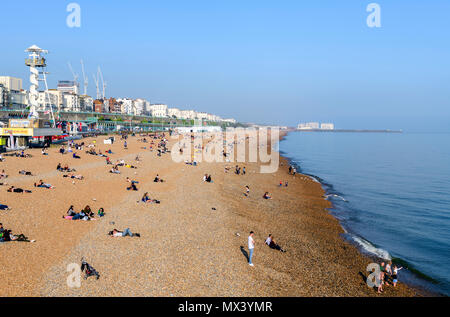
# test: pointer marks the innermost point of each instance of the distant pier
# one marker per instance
(350, 130)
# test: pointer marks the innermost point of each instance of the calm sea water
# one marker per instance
(391, 193)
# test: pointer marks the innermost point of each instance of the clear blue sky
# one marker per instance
(280, 62)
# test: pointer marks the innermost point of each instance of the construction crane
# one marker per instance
(103, 82)
(85, 79)
(96, 85)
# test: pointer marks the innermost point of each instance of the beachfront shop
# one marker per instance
(20, 132)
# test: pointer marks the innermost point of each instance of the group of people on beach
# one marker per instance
(270, 242)
(85, 214)
(388, 275)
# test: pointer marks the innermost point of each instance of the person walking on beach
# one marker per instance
(251, 247)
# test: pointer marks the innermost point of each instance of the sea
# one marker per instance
(391, 194)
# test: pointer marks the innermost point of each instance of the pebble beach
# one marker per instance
(194, 243)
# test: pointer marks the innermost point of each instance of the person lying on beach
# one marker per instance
(130, 166)
(7, 236)
(41, 184)
(126, 232)
(147, 199)
(272, 244)
(91, 152)
(157, 179)
(4, 207)
(80, 177)
(75, 156)
(13, 189)
(101, 154)
(267, 196)
(23, 172)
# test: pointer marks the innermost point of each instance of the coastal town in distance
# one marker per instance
(223, 158)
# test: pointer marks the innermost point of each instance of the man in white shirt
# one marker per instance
(251, 247)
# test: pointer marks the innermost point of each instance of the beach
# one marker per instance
(194, 243)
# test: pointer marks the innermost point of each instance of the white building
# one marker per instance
(327, 126)
(174, 112)
(126, 105)
(18, 98)
(70, 102)
(308, 126)
(86, 103)
(188, 114)
(231, 120)
(47, 100)
(159, 110)
(11, 84)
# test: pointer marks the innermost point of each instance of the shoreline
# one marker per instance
(190, 245)
(348, 236)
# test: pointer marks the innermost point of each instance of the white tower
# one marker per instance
(34, 61)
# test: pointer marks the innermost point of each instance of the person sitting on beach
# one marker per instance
(267, 196)
(126, 232)
(71, 212)
(1, 158)
(115, 170)
(88, 212)
(41, 184)
(207, 178)
(132, 185)
(3, 174)
(101, 212)
(75, 156)
(157, 179)
(147, 199)
(23, 172)
(108, 161)
(13, 189)
(62, 150)
(59, 167)
(247, 191)
(272, 244)
(43, 151)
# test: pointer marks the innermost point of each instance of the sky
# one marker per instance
(274, 62)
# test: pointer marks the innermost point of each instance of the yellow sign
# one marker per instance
(16, 131)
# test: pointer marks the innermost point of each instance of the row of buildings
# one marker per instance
(66, 97)
(315, 126)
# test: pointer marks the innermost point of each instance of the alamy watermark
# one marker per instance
(73, 20)
(233, 145)
(374, 18)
